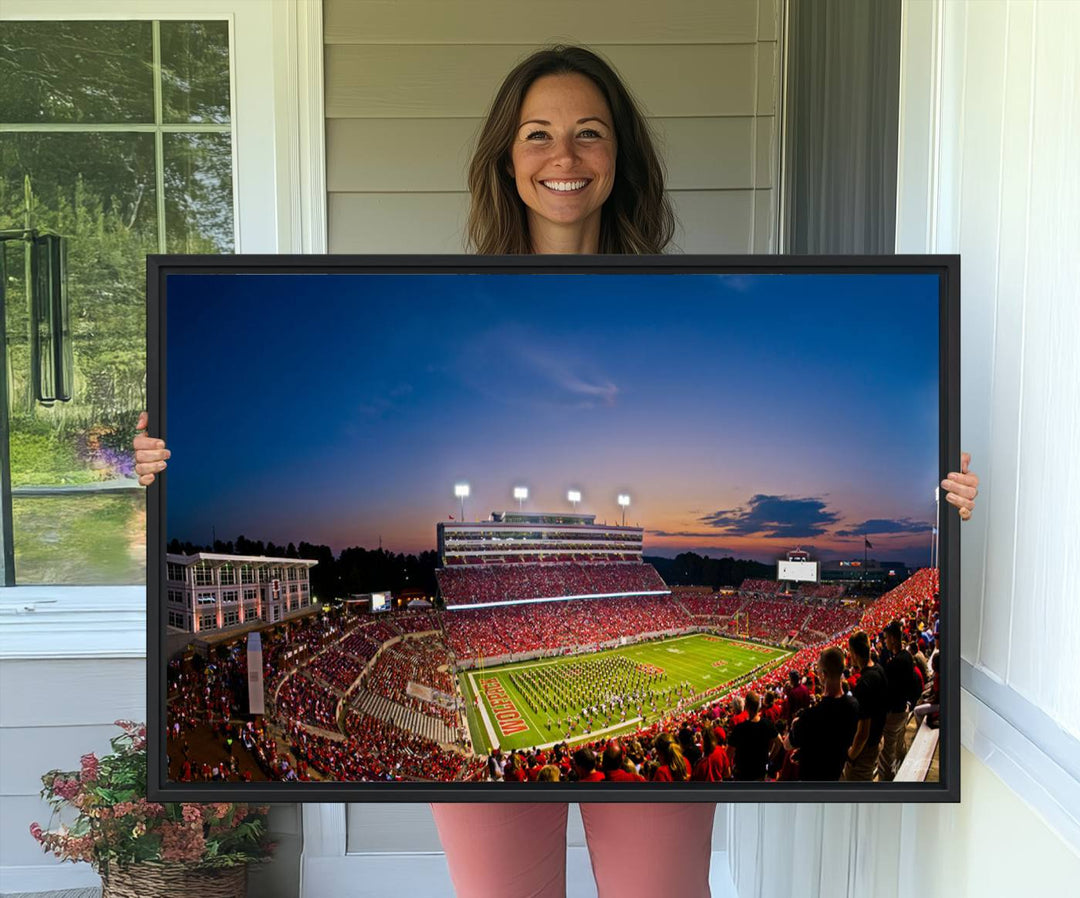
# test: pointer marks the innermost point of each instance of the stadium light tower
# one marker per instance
(624, 501)
(574, 496)
(521, 493)
(934, 551)
(461, 490)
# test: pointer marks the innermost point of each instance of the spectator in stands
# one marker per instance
(673, 766)
(931, 706)
(823, 733)
(618, 768)
(689, 749)
(714, 765)
(872, 694)
(904, 690)
(797, 696)
(915, 649)
(755, 740)
(549, 773)
(585, 767)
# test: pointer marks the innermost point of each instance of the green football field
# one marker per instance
(517, 700)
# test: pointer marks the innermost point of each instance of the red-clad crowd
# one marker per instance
(375, 750)
(705, 603)
(304, 699)
(418, 661)
(747, 733)
(553, 626)
(774, 618)
(483, 583)
(336, 668)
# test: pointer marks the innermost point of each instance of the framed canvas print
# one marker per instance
(590, 528)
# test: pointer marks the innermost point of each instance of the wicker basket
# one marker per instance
(149, 880)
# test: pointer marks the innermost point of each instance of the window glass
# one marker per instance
(195, 72)
(78, 514)
(76, 72)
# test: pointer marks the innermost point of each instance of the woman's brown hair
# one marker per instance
(670, 754)
(637, 216)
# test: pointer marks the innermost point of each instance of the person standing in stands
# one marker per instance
(755, 740)
(823, 733)
(565, 164)
(872, 693)
(904, 689)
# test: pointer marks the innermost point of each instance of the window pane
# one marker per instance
(76, 72)
(98, 191)
(85, 539)
(195, 72)
(198, 193)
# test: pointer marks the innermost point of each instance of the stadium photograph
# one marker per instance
(552, 528)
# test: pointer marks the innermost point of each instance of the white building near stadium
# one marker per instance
(209, 591)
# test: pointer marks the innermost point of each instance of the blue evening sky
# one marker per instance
(743, 414)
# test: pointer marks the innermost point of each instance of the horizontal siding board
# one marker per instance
(713, 221)
(768, 25)
(523, 22)
(387, 827)
(765, 221)
(72, 693)
(394, 154)
(398, 154)
(709, 221)
(765, 152)
(17, 846)
(397, 222)
(28, 752)
(374, 81)
(768, 78)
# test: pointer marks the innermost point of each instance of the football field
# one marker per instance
(578, 697)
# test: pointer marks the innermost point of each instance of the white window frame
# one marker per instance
(279, 206)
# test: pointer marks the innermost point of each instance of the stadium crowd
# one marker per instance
(807, 719)
(484, 583)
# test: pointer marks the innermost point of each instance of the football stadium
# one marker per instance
(553, 651)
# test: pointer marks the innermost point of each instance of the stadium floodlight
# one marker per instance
(574, 496)
(461, 490)
(624, 501)
(521, 493)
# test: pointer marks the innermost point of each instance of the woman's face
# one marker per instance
(563, 154)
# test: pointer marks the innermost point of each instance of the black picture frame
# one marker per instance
(945, 267)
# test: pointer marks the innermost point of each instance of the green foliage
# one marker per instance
(117, 825)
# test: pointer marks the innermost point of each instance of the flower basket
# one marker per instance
(145, 849)
(173, 881)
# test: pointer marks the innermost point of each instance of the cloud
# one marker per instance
(512, 365)
(689, 534)
(885, 526)
(780, 517)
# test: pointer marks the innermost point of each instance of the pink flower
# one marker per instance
(180, 842)
(192, 813)
(89, 767)
(151, 808)
(65, 788)
(36, 832)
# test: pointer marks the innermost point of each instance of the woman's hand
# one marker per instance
(961, 487)
(150, 453)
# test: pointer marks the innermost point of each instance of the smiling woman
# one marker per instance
(562, 117)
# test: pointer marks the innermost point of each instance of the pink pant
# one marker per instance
(519, 850)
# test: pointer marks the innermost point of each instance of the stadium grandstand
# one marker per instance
(555, 643)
